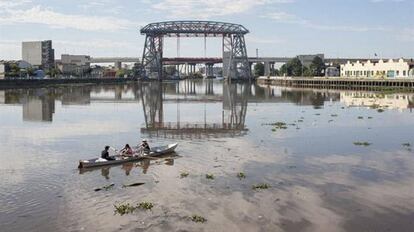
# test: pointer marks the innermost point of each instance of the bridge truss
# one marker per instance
(235, 60)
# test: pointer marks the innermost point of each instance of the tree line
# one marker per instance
(295, 68)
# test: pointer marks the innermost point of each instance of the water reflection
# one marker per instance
(378, 100)
(39, 104)
(127, 168)
(234, 107)
(320, 181)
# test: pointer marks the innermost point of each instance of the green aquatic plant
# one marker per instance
(369, 117)
(334, 115)
(145, 205)
(406, 144)
(260, 186)
(122, 209)
(365, 144)
(360, 117)
(184, 174)
(241, 175)
(210, 176)
(380, 110)
(198, 218)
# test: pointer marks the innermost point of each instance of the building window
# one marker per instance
(398, 72)
(404, 73)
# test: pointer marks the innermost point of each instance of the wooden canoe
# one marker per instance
(155, 151)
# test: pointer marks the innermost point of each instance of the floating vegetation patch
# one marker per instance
(132, 185)
(300, 120)
(184, 174)
(369, 117)
(380, 110)
(317, 114)
(334, 115)
(277, 125)
(106, 187)
(406, 144)
(198, 218)
(123, 209)
(260, 186)
(145, 205)
(241, 175)
(365, 144)
(360, 117)
(210, 176)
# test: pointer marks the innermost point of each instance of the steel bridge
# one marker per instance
(235, 60)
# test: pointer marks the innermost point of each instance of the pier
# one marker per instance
(340, 83)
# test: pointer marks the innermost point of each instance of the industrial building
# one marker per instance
(382, 69)
(39, 54)
(74, 64)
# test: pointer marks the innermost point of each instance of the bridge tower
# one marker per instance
(235, 59)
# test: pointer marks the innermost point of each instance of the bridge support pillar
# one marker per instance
(209, 70)
(118, 65)
(267, 68)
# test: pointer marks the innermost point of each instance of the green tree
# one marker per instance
(120, 73)
(295, 67)
(259, 69)
(283, 71)
(317, 67)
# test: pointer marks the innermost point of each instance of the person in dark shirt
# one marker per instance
(105, 154)
(145, 146)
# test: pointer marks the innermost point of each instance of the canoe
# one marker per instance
(155, 151)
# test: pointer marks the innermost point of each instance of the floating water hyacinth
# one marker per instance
(210, 176)
(241, 175)
(123, 209)
(198, 218)
(184, 174)
(260, 186)
(145, 205)
(365, 144)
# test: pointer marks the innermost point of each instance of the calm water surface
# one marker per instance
(320, 180)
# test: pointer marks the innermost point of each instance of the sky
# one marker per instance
(107, 28)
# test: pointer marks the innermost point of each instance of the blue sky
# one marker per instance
(338, 28)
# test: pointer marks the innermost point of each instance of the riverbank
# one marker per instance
(29, 83)
(340, 83)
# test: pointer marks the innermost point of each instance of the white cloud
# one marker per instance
(211, 8)
(38, 15)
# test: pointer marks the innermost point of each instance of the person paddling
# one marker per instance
(105, 154)
(145, 146)
(127, 150)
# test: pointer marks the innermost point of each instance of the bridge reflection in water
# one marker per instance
(234, 107)
(38, 105)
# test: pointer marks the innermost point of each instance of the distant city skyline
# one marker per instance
(352, 28)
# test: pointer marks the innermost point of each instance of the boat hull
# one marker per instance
(156, 151)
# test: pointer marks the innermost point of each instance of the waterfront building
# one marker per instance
(382, 69)
(74, 64)
(39, 54)
(332, 72)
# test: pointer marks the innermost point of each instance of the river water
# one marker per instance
(318, 179)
